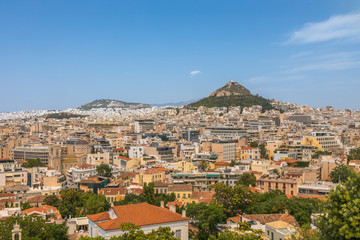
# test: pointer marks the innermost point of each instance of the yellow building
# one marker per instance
(149, 176)
(321, 141)
(249, 153)
(182, 192)
(113, 194)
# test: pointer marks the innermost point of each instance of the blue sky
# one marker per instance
(61, 54)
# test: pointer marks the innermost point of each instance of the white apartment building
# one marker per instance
(136, 152)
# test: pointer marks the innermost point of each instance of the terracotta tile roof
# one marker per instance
(254, 189)
(248, 148)
(112, 191)
(279, 225)
(175, 203)
(160, 184)
(36, 199)
(9, 200)
(130, 175)
(222, 163)
(267, 218)
(290, 161)
(85, 165)
(7, 195)
(313, 196)
(99, 217)
(141, 214)
(180, 188)
(118, 150)
(125, 158)
(46, 209)
(203, 196)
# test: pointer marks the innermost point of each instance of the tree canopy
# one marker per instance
(104, 170)
(263, 151)
(247, 179)
(341, 173)
(33, 228)
(354, 154)
(33, 163)
(341, 218)
(77, 203)
(205, 217)
(254, 144)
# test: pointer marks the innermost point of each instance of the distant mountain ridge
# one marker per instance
(112, 103)
(232, 94)
(176, 104)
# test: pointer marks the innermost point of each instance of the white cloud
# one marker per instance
(328, 62)
(193, 73)
(344, 27)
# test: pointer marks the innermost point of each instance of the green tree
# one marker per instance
(306, 233)
(263, 151)
(341, 218)
(203, 166)
(96, 204)
(104, 170)
(205, 217)
(317, 154)
(341, 173)
(33, 228)
(149, 193)
(131, 199)
(234, 199)
(247, 179)
(354, 154)
(25, 205)
(254, 144)
(33, 163)
(52, 200)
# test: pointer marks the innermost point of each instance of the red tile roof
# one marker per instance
(266, 218)
(313, 196)
(141, 214)
(125, 158)
(112, 191)
(85, 165)
(99, 217)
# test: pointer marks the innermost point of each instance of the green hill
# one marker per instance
(111, 103)
(232, 94)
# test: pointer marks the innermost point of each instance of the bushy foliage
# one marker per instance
(77, 203)
(33, 228)
(341, 218)
(33, 163)
(104, 170)
(206, 217)
(232, 101)
(341, 173)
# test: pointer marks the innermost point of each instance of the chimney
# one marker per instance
(162, 204)
(172, 208)
(183, 213)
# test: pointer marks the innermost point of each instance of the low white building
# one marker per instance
(136, 152)
(79, 172)
(146, 216)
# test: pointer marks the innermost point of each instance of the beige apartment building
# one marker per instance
(289, 186)
(322, 141)
(225, 150)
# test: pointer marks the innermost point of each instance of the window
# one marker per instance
(178, 234)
